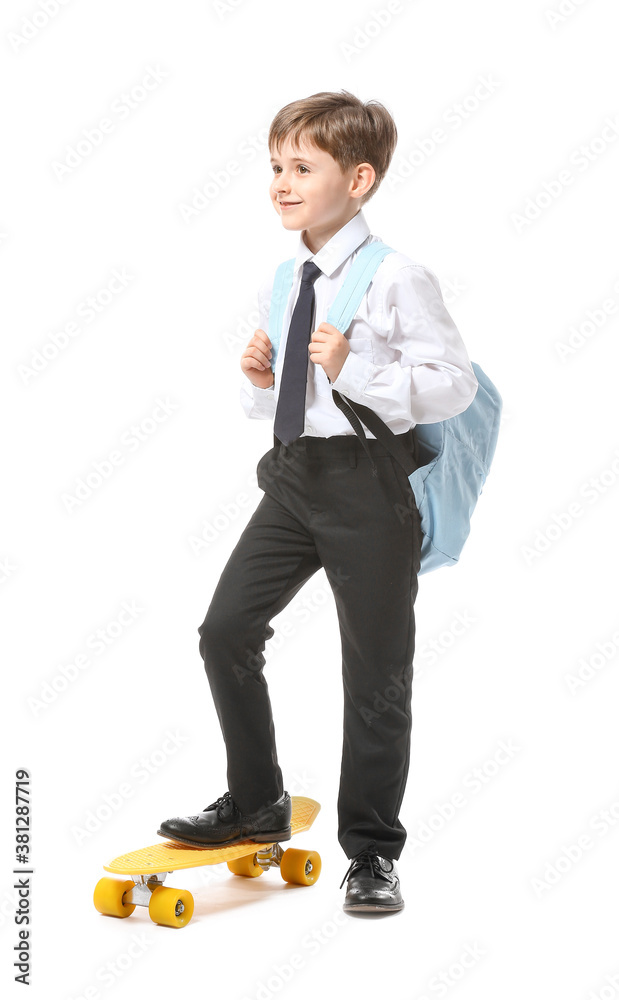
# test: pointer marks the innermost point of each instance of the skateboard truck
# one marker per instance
(142, 893)
(143, 890)
(271, 856)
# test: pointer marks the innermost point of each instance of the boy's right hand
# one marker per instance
(256, 361)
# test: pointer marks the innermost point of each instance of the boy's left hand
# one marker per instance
(328, 347)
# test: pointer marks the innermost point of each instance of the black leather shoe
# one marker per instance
(222, 824)
(373, 884)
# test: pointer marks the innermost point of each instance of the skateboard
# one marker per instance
(146, 869)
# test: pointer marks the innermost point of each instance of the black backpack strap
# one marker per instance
(345, 406)
(380, 430)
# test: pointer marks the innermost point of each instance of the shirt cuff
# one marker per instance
(353, 378)
(258, 404)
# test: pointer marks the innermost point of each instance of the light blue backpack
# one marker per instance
(451, 458)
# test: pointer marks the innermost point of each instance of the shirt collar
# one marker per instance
(338, 248)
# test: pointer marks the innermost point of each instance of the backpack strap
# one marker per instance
(282, 284)
(381, 431)
(348, 299)
(341, 315)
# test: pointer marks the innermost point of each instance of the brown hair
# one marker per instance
(343, 126)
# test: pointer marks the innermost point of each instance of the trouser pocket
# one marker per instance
(262, 461)
(408, 509)
(405, 488)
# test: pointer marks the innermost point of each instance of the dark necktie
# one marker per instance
(290, 412)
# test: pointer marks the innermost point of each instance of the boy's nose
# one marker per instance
(281, 182)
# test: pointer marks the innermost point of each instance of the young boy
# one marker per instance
(327, 503)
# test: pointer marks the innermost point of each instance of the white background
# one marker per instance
(539, 597)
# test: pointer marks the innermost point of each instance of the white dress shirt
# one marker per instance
(407, 361)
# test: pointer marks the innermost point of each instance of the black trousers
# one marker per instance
(326, 504)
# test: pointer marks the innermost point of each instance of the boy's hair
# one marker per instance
(343, 126)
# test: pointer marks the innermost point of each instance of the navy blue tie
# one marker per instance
(290, 413)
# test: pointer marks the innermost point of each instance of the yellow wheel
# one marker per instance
(300, 867)
(247, 866)
(170, 907)
(108, 897)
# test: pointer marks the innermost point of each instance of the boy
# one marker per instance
(327, 503)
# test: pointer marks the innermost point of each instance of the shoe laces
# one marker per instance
(368, 858)
(220, 803)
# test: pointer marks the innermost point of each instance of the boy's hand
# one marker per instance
(256, 361)
(329, 348)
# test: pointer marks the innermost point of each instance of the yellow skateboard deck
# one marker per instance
(146, 869)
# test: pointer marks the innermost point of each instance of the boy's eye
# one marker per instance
(301, 167)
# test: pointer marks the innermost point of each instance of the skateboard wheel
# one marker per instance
(300, 867)
(170, 907)
(108, 897)
(247, 866)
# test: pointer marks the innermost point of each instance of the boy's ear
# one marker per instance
(363, 180)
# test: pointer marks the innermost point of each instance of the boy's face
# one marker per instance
(310, 192)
